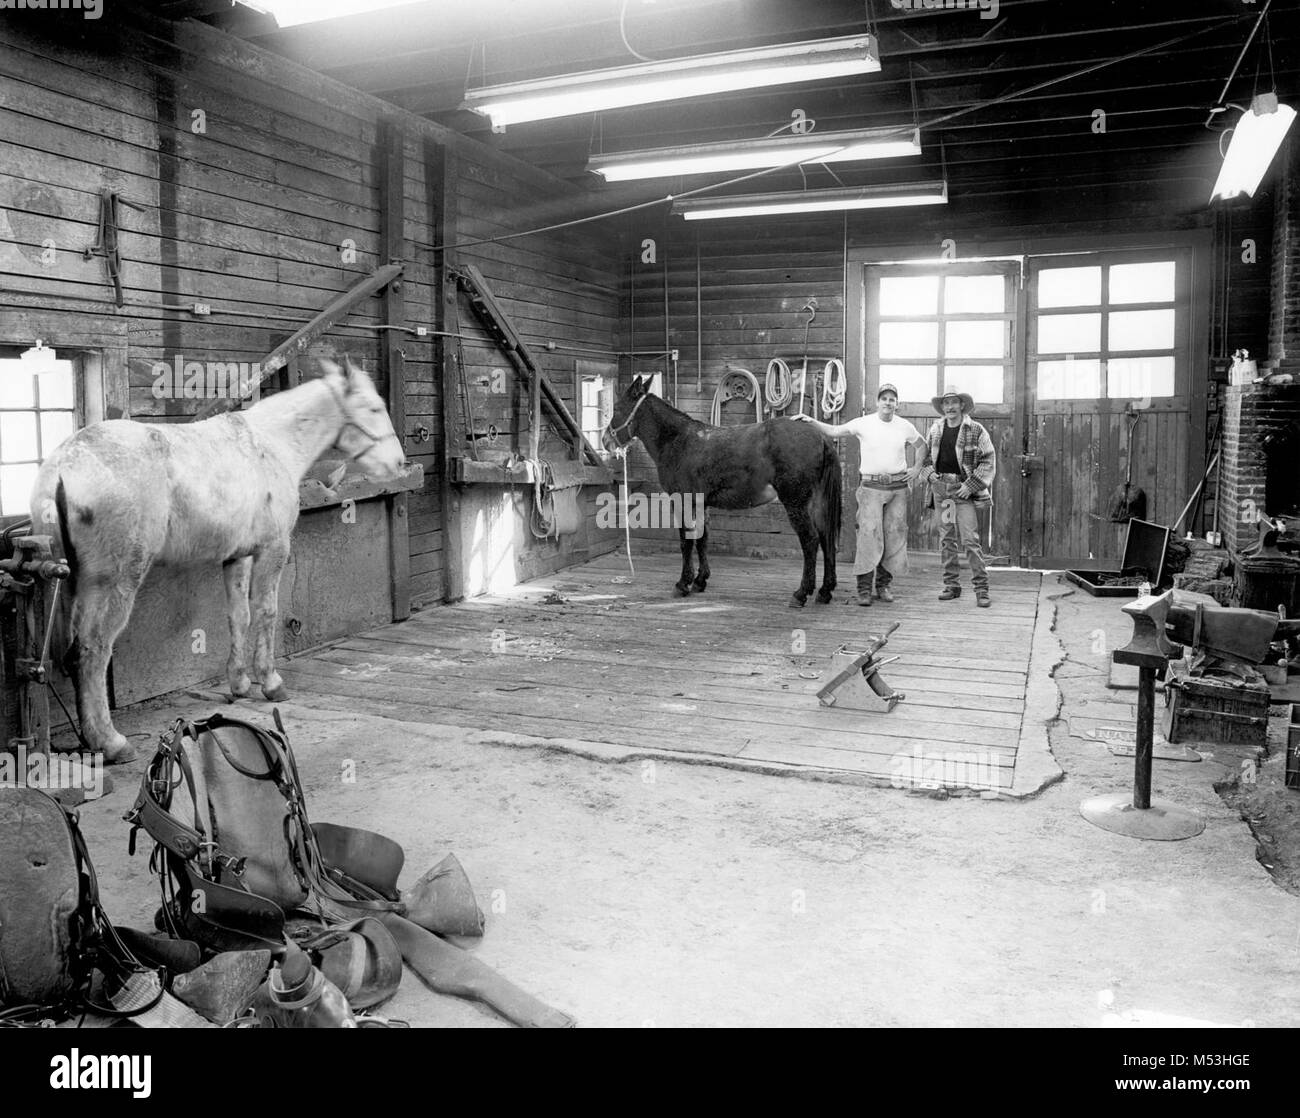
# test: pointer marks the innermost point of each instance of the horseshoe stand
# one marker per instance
(854, 681)
(1138, 815)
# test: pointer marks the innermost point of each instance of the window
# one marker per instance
(935, 328)
(1107, 326)
(595, 394)
(38, 410)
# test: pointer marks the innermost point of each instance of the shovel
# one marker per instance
(1129, 501)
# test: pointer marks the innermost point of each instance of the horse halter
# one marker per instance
(348, 421)
(630, 416)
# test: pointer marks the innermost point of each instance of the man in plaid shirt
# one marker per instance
(959, 467)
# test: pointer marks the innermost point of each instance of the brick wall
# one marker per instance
(1251, 412)
(1284, 313)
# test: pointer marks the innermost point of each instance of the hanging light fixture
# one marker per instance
(814, 201)
(741, 155)
(291, 13)
(648, 82)
(1255, 140)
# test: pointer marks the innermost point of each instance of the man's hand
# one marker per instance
(964, 492)
(805, 418)
(912, 474)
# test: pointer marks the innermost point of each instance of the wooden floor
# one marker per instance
(591, 654)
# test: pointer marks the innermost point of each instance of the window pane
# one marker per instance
(1142, 330)
(910, 295)
(974, 295)
(975, 339)
(1151, 282)
(1069, 380)
(909, 339)
(1139, 378)
(55, 427)
(983, 382)
(17, 436)
(1070, 333)
(16, 489)
(1069, 287)
(55, 386)
(15, 386)
(915, 382)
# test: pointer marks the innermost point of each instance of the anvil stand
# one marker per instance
(1139, 816)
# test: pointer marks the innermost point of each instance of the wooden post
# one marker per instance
(441, 177)
(391, 213)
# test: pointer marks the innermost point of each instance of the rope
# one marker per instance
(733, 384)
(627, 527)
(834, 387)
(777, 385)
(541, 519)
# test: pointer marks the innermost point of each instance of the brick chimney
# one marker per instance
(1256, 416)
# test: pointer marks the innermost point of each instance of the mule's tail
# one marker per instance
(827, 495)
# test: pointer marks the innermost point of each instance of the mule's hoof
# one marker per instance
(240, 692)
(682, 591)
(825, 597)
(797, 601)
(118, 751)
(699, 587)
(276, 694)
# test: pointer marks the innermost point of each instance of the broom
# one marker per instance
(1129, 501)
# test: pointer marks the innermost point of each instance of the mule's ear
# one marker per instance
(636, 388)
(327, 367)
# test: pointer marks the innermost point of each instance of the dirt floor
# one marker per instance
(649, 892)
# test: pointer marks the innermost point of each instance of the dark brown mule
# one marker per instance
(739, 468)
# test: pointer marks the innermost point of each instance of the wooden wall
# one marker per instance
(253, 185)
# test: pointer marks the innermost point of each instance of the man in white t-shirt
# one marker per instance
(883, 438)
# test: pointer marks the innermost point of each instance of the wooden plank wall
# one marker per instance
(265, 207)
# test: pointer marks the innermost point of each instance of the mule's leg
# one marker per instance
(264, 595)
(236, 574)
(100, 613)
(701, 545)
(826, 541)
(802, 524)
(683, 584)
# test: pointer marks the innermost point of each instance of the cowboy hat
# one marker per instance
(967, 401)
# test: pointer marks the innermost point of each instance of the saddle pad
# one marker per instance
(39, 892)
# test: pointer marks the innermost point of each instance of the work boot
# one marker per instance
(949, 593)
(982, 599)
(864, 589)
(884, 594)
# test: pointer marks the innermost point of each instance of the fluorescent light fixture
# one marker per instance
(290, 13)
(644, 83)
(1255, 140)
(814, 201)
(741, 155)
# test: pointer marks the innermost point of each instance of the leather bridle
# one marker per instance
(348, 421)
(627, 422)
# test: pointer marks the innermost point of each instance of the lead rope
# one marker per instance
(834, 388)
(627, 527)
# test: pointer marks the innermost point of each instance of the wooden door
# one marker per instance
(1111, 345)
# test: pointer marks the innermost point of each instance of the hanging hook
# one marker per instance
(811, 308)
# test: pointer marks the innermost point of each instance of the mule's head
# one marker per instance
(366, 434)
(619, 432)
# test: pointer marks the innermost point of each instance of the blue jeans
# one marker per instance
(959, 531)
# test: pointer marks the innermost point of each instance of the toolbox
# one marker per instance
(1145, 548)
(1214, 711)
